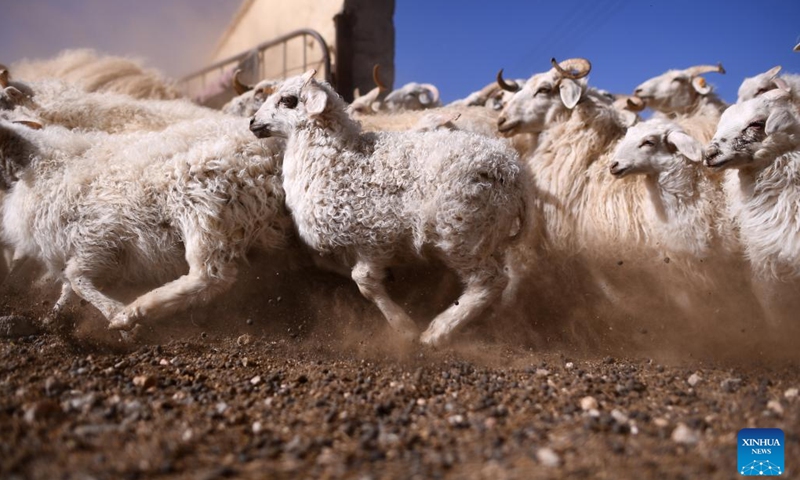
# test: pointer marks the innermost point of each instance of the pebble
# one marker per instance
(730, 385)
(542, 372)
(589, 403)
(144, 381)
(619, 416)
(256, 380)
(41, 410)
(244, 340)
(790, 394)
(257, 427)
(569, 366)
(694, 379)
(53, 386)
(660, 422)
(775, 406)
(548, 457)
(685, 435)
(15, 326)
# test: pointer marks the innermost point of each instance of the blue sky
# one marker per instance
(460, 45)
(457, 44)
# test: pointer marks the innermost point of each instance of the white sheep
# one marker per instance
(752, 87)
(680, 214)
(248, 98)
(55, 102)
(760, 138)
(686, 98)
(99, 73)
(370, 199)
(100, 209)
(411, 96)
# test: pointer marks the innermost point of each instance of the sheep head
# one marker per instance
(752, 134)
(247, 103)
(677, 90)
(298, 102)
(371, 101)
(542, 96)
(12, 93)
(413, 96)
(754, 86)
(652, 147)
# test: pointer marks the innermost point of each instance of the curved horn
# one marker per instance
(377, 78)
(3, 77)
(634, 104)
(509, 87)
(434, 90)
(701, 69)
(238, 86)
(580, 66)
(796, 48)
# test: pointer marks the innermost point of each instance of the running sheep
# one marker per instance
(98, 209)
(372, 199)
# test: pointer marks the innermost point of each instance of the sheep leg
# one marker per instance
(82, 285)
(483, 286)
(369, 278)
(178, 294)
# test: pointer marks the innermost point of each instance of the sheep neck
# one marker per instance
(673, 190)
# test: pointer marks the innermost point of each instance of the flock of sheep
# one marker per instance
(108, 176)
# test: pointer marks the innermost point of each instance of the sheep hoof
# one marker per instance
(432, 339)
(129, 336)
(123, 321)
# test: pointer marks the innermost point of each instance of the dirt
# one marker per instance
(295, 375)
(300, 406)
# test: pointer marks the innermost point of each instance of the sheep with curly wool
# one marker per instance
(371, 199)
(99, 209)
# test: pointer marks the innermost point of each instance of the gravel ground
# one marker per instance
(295, 376)
(283, 405)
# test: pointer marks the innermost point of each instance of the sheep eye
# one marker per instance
(647, 143)
(760, 91)
(758, 125)
(289, 101)
(543, 90)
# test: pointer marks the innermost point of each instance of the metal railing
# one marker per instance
(200, 80)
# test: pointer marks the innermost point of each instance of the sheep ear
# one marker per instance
(774, 71)
(701, 86)
(315, 101)
(686, 145)
(263, 93)
(308, 76)
(782, 85)
(570, 92)
(779, 121)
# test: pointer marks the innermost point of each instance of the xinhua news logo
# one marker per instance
(760, 452)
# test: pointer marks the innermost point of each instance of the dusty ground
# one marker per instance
(295, 406)
(297, 377)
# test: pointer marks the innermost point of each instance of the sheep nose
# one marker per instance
(614, 166)
(252, 121)
(637, 92)
(501, 120)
